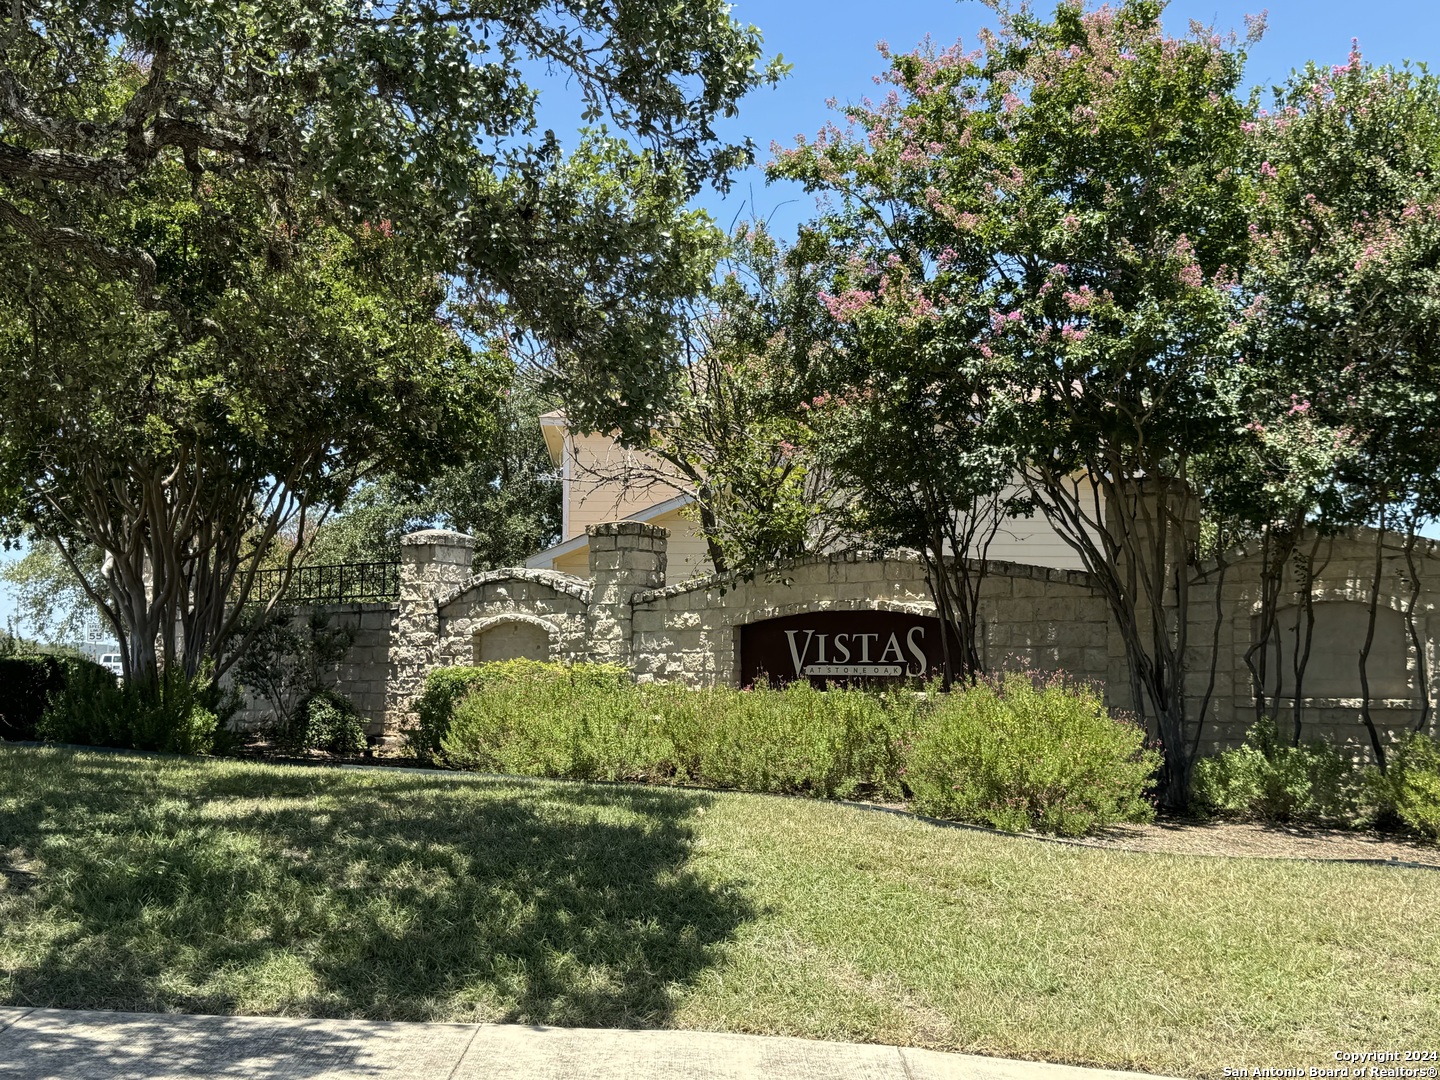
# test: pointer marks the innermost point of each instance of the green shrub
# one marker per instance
(1411, 785)
(834, 743)
(180, 716)
(590, 722)
(1018, 754)
(1267, 779)
(326, 720)
(584, 721)
(445, 688)
(1014, 755)
(26, 685)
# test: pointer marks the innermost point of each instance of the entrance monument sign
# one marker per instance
(841, 646)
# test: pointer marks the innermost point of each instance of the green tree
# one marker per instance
(50, 601)
(181, 457)
(507, 498)
(1066, 206)
(735, 433)
(243, 251)
(1345, 288)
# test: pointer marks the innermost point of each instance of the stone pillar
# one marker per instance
(626, 557)
(434, 565)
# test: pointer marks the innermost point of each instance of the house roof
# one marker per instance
(553, 426)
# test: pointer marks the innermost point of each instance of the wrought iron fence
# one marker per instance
(340, 583)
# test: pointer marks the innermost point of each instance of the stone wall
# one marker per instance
(362, 675)
(433, 564)
(1330, 694)
(1031, 617)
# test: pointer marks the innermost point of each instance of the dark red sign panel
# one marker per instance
(841, 647)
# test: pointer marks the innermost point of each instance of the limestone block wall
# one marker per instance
(625, 556)
(501, 608)
(1226, 606)
(362, 674)
(433, 563)
(1031, 616)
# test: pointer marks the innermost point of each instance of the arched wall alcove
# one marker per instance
(512, 637)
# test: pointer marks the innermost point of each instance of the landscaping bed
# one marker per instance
(155, 884)
(1259, 840)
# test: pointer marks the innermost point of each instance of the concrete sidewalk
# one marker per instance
(54, 1044)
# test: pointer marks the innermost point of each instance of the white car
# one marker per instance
(112, 663)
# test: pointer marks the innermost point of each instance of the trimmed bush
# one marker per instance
(327, 720)
(26, 685)
(536, 719)
(590, 722)
(446, 687)
(797, 740)
(1411, 785)
(1019, 754)
(1015, 755)
(1267, 779)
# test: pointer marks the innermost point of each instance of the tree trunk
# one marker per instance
(1375, 742)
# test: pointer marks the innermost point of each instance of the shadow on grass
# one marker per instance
(217, 889)
(62, 1046)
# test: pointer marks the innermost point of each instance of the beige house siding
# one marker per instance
(1032, 541)
(576, 562)
(605, 482)
(688, 555)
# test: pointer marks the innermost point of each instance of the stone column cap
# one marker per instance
(627, 528)
(443, 537)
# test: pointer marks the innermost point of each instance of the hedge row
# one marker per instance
(1268, 779)
(28, 683)
(1014, 754)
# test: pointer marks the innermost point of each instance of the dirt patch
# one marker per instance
(1233, 839)
(1254, 840)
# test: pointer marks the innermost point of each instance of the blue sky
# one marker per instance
(832, 47)
(831, 44)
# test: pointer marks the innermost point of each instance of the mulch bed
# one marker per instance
(1184, 836)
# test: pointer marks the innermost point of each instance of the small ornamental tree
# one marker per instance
(736, 435)
(1066, 207)
(1345, 286)
(907, 433)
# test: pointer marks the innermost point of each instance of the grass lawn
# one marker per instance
(162, 884)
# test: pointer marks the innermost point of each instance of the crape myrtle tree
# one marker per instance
(182, 457)
(907, 434)
(253, 253)
(1345, 286)
(1066, 205)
